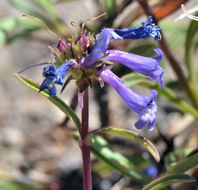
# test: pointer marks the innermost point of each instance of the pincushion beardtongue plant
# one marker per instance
(87, 58)
(90, 63)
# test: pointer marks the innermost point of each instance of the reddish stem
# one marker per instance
(85, 145)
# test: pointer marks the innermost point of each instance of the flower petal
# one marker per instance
(143, 105)
(147, 30)
(54, 76)
(48, 83)
(143, 65)
(100, 47)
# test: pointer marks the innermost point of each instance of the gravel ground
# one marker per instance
(30, 137)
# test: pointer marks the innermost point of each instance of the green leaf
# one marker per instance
(48, 6)
(133, 79)
(23, 33)
(14, 28)
(167, 180)
(184, 164)
(55, 100)
(110, 6)
(6, 25)
(10, 184)
(133, 136)
(28, 9)
(166, 92)
(177, 155)
(190, 44)
(147, 48)
(24, 29)
(102, 168)
(102, 150)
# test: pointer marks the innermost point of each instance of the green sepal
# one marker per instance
(60, 58)
(79, 49)
(73, 46)
(68, 53)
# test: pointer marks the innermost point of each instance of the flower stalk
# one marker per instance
(85, 144)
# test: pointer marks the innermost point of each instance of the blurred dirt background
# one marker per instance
(33, 146)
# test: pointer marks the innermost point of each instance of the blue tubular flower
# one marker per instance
(143, 105)
(54, 76)
(147, 30)
(100, 47)
(143, 65)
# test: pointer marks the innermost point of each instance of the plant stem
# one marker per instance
(85, 145)
(174, 63)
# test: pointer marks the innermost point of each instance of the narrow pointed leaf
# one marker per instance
(28, 9)
(7, 25)
(48, 6)
(167, 180)
(55, 100)
(110, 6)
(177, 155)
(133, 79)
(25, 27)
(184, 164)
(103, 151)
(190, 44)
(133, 136)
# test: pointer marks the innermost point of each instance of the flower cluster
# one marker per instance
(86, 57)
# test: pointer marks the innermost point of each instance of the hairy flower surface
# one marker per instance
(85, 58)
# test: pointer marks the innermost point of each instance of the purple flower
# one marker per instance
(151, 171)
(54, 76)
(143, 105)
(143, 65)
(147, 30)
(90, 56)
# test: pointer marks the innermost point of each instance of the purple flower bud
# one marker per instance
(61, 46)
(140, 64)
(83, 41)
(143, 105)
